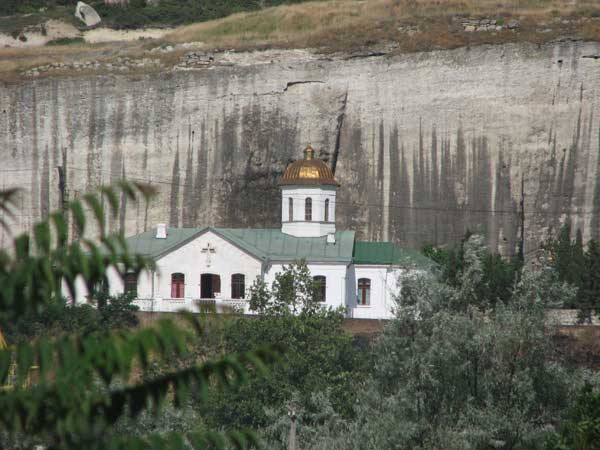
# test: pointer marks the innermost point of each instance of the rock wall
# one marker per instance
(425, 145)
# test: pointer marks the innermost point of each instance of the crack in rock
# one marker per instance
(294, 83)
(283, 91)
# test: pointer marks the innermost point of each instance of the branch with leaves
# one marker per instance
(86, 383)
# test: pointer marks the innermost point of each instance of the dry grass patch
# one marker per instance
(344, 23)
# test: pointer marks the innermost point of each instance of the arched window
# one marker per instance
(130, 283)
(177, 285)
(326, 210)
(320, 284)
(290, 209)
(238, 285)
(308, 209)
(364, 291)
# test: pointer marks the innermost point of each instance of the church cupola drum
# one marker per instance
(308, 192)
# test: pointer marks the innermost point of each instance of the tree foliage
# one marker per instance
(86, 382)
(457, 371)
(319, 358)
(580, 267)
(496, 276)
(581, 429)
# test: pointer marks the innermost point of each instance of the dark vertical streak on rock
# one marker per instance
(229, 209)
(35, 158)
(174, 200)
(188, 185)
(568, 181)
(200, 180)
(506, 209)
(55, 125)
(123, 209)
(480, 188)
(45, 186)
(375, 193)
(116, 157)
(434, 189)
(452, 213)
(92, 127)
(338, 136)
(400, 195)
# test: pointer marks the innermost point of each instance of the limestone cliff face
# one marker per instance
(425, 145)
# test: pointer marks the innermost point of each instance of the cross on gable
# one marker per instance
(208, 250)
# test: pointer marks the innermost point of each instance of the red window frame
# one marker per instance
(364, 291)
(177, 285)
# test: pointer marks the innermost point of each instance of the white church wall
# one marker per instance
(189, 259)
(82, 294)
(384, 286)
(335, 284)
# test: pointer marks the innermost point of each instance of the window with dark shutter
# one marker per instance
(130, 283)
(238, 285)
(320, 284)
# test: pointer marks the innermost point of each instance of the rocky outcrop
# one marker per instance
(425, 145)
(87, 14)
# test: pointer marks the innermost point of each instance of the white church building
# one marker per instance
(217, 266)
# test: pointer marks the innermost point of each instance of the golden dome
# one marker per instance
(308, 171)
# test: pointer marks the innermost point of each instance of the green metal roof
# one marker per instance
(147, 245)
(386, 253)
(266, 244)
(278, 246)
(273, 245)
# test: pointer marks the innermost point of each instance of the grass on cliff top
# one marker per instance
(343, 24)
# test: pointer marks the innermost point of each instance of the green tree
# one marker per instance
(449, 375)
(581, 429)
(319, 356)
(589, 292)
(496, 275)
(86, 383)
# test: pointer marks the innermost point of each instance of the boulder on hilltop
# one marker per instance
(87, 14)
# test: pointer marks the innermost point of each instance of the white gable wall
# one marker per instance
(188, 259)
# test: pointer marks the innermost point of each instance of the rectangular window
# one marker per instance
(308, 209)
(320, 286)
(238, 285)
(364, 291)
(177, 285)
(130, 283)
(290, 209)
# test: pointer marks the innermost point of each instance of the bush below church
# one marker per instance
(319, 356)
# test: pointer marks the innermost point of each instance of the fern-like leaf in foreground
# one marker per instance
(86, 383)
